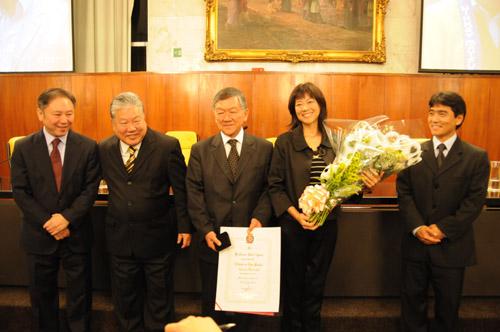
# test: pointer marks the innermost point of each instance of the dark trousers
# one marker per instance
(447, 284)
(208, 273)
(43, 271)
(306, 259)
(143, 291)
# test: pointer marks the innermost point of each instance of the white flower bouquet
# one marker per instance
(367, 144)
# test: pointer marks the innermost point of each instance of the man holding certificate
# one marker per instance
(227, 186)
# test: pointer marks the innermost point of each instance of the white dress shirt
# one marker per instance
(239, 141)
(62, 145)
(124, 151)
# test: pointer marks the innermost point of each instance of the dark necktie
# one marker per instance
(55, 158)
(440, 157)
(233, 157)
(129, 165)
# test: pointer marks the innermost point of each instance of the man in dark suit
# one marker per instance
(140, 166)
(55, 175)
(227, 186)
(439, 199)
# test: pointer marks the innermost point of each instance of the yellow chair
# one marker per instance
(271, 139)
(186, 139)
(11, 144)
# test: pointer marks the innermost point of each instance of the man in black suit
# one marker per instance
(140, 166)
(55, 175)
(227, 186)
(439, 199)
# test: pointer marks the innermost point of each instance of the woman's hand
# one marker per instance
(371, 177)
(302, 219)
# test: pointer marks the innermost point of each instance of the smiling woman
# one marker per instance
(299, 155)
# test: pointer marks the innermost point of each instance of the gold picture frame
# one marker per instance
(254, 30)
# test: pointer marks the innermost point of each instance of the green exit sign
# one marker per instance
(177, 52)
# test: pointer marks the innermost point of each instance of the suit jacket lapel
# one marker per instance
(453, 157)
(429, 157)
(147, 147)
(219, 152)
(71, 158)
(41, 153)
(115, 155)
(247, 150)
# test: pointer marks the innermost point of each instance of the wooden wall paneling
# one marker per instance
(371, 100)
(450, 83)
(345, 96)
(492, 126)
(397, 97)
(156, 108)
(136, 83)
(83, 87)
(182, 102)
(270, 103)
(422, 88)
(209, 85)
(106, 86)
(476, 93)
(7, 111)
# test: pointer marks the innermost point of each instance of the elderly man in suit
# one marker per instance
(439, 199)
(140, 166)
(55, 175)
(227, 186)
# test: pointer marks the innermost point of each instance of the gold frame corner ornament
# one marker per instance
(376, 55)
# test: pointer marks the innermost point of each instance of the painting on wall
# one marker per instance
(295, 30)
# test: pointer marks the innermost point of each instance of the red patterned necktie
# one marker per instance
(55, 158)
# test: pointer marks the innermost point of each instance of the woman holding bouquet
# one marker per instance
(299, 157)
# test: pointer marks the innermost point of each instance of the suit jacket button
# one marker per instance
(234, 202)
(129, 203)
(129, 183)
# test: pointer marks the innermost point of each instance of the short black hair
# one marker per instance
(312, 91)
(50, 94)
(452, 100)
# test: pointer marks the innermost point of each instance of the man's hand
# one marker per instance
(437, 232)
(212, 240)
(62, 234)
(371, 177)
(427, 236)
(193, 324)
(56, 224)
(185, 239)
(254, 223)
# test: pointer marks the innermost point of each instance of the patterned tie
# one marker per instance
(440, 157)
(55, 158)
(129, 165)
(233, 157)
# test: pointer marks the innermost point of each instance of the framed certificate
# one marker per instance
(248, 278)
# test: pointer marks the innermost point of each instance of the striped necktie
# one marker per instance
(129, 165)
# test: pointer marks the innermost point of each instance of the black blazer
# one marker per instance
(290, 169)
(451, 198)
(34, 190)
(215, 199)
(138, 220)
